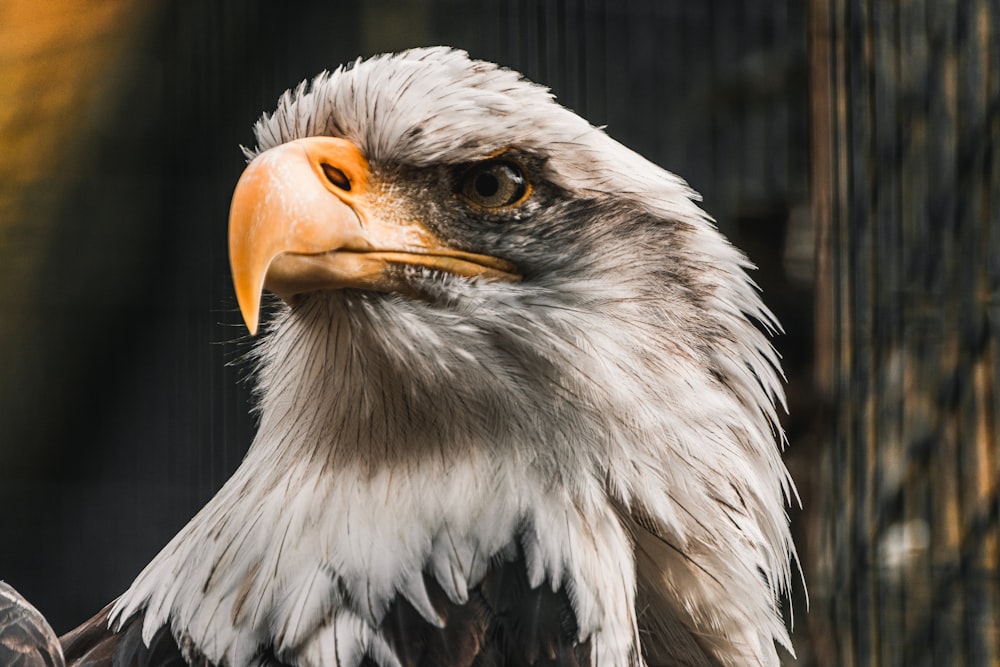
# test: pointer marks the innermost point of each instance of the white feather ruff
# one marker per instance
(431, 448)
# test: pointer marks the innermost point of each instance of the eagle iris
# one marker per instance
(494, 184)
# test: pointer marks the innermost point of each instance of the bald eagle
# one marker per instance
(517, 402)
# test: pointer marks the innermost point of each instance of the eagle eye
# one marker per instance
(494, 184)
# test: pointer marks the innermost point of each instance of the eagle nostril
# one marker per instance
(337, 177)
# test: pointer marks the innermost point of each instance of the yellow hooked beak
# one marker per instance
(302, 220)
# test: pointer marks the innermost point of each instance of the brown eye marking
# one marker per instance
(496, 183)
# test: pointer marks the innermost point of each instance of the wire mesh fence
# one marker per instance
(906, 178)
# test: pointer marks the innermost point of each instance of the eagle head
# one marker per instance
(517, 401)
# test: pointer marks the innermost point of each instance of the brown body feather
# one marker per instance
(505, 623)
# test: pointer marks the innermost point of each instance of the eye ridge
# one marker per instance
(493, 184)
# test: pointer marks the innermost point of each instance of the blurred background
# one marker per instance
(848, 146)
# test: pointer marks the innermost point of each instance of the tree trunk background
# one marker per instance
(905, 110)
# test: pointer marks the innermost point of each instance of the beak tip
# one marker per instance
(249, 305)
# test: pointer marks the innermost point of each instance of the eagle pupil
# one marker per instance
(487, 185)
